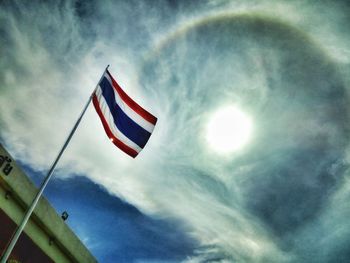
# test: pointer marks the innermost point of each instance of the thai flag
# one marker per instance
(126, 123)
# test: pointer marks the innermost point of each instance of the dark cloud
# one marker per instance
(113, 228)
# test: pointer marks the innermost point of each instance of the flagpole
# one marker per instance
(20, 228)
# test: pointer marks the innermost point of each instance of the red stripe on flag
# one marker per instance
(131, 103)
(109, 133)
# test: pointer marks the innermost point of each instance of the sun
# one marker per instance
(228, 130)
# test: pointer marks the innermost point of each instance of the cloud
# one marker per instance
(272, 59)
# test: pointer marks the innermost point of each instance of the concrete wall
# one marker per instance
(45, 228)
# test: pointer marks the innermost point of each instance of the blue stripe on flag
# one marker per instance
(124, 123)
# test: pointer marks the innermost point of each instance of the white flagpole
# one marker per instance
(20, 228)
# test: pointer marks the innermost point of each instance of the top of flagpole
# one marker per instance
(99, 81)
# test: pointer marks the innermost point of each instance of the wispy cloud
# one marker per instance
(272, 202)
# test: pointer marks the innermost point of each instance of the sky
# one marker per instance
(283, 197)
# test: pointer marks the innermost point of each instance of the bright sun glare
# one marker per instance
(228, 130)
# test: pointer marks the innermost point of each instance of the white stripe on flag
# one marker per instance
(109, 118)
(129, 111)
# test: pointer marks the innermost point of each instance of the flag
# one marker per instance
(126, 123)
